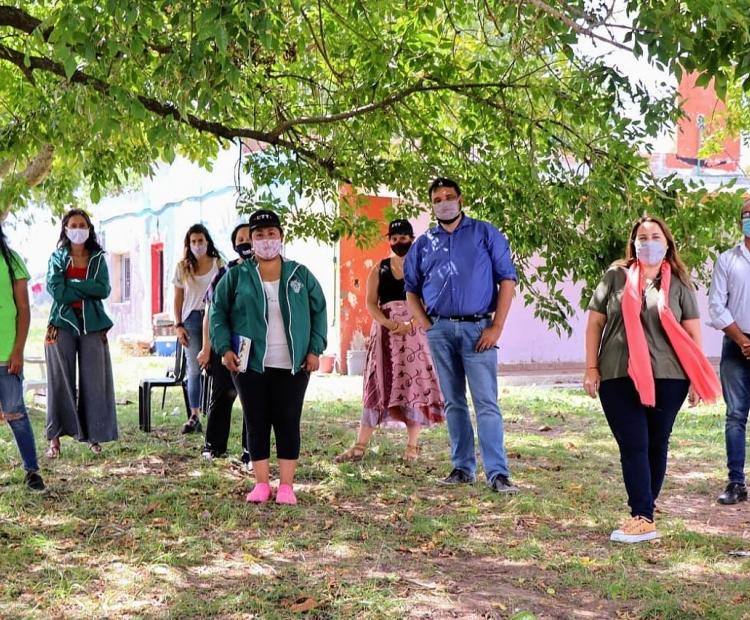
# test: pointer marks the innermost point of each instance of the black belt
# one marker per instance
(469, 318)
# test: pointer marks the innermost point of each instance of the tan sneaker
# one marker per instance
(634, 530)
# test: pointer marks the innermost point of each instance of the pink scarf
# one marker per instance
(691, 358)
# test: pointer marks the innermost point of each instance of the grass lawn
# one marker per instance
(147, 530)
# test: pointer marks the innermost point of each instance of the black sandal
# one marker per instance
(193, 425)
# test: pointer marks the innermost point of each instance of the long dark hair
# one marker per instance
(7, 255)
(91, 244)
(189, 262)
(678, 266)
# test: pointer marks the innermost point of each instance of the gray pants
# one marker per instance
(91, 416)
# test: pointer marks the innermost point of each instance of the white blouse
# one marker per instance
(277, 349)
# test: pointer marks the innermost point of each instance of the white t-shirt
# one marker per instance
(277, 350)
(195, 287)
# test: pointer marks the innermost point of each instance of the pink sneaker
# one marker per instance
(260, 494)
(285, 495)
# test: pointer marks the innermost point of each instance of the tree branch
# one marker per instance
(573, 25)
(21, 20)
(164, 110)
(384, 103)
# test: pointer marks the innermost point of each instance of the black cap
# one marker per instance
(400, 227)
(263, 218)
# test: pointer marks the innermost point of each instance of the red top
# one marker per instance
(78, 273)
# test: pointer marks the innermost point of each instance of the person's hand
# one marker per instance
(204, 357)
(591, 381)
(15, 363)
(391, 325)
(745, 348)
(231, 361)
(488, 338)
(402, 329)
(182, 336)
(693, 398)
(311, 363)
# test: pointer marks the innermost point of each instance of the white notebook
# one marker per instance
(241, 346)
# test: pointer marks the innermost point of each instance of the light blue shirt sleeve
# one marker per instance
(413, 276)
(502, 260)
(718, 296)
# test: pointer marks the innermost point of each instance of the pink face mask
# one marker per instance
(267, 249)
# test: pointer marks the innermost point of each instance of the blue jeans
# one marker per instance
(735, 384)
(452, 344)
(194, 327)
(12, 405)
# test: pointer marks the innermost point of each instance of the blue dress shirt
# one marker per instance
(457, 273)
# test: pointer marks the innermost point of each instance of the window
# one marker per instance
(125, 278)
(120, 278)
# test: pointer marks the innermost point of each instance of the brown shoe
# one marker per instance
(634, 530)
(352, 455)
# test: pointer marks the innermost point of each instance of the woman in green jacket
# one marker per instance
(78, 280)
(278, 306)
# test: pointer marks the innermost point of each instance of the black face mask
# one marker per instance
(450, 221)
(245, 250)
(401, 249)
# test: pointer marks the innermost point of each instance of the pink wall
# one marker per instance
(527, 339)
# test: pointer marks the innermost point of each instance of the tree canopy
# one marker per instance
(375, 94)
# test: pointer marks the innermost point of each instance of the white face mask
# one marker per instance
(77, 236)
(650, 252)
(267, 249)
(447, 209)
(198, 250)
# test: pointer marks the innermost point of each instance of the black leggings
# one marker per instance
(272, 399)
(642, 434)
(221, 400)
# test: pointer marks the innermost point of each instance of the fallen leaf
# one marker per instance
(151, 508)
(307, 604)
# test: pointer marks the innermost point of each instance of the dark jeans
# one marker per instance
(735, 384)
(272, 399)
(223, 395)
(642, 434)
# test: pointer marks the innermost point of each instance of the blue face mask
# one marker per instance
(650, 252)
(746, 226)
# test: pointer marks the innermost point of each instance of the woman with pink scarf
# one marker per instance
(643, 358)
(400, 384)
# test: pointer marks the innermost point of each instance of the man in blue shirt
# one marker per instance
(460, 282)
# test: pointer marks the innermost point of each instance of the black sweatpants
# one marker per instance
(272, 399)
(221, 401)
(642, 434)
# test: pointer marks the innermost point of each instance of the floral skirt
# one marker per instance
(400, 384)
